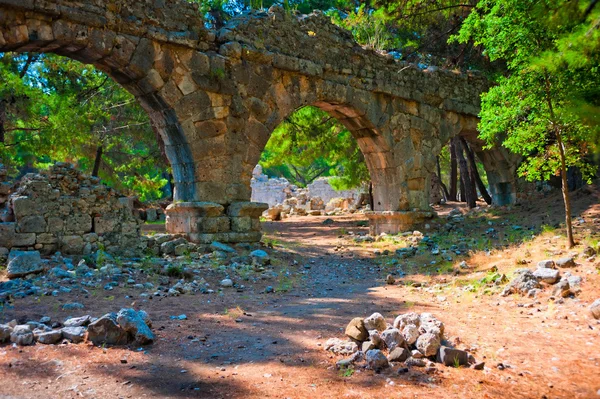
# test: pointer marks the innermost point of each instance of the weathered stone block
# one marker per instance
(103, 225)
(72, 245)
(55, 225)
(78, 223)
(215, 225)
(251, 209)
(241, 224)
(31, 224)
(23, 206)
(46, 238)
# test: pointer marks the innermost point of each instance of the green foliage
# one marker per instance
(370, 27)
(548, 92)
(58, 109)
(310, 144)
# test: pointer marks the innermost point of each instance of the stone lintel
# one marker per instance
(197, 209)
(393, 222)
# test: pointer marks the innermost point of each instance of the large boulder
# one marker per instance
(134, 323)
(106, 330)
(22, 263)
(547, 275)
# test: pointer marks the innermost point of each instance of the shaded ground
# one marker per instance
(255, 345)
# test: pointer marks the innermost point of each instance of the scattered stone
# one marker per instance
(269, 289)
(452, 357)
(367, 346)
(22, 335)
(355, 358)
(107, 331)
(589, 251)
(416, 354)
(523, 282)
(340, 347)
(356, 329)
(49, 337)
(217, 246)
(260, 257)
(376, 339)
(134, 323)
(376, 360)
(562, 289)
(410, 333)
(429, 324)
(414, 362)
(5, 331)
(180, 317)
(549, 276)
(479, 366)
(375, 322)
(407, 319)
(392, 338)
(546, 264)
(22, 263)
(398, 355)
(227, 283)
(390, 280)
(594, 309)
(77, 321)
(428, 344)
(567, 261)
(74, 334)
(72, 306)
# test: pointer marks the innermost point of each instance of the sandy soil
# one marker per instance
(255, 345)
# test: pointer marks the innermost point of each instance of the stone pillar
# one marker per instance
(394, 222)
(205, 222)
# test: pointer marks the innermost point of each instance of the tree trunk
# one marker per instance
(473, 169)
(171, 187)
(2, 120)
(444, 188)
(453, 173)
(97, 161)
(467, 180)
(371, 200)
(565, 190)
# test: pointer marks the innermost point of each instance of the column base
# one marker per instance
(394, 222)
(205, 222)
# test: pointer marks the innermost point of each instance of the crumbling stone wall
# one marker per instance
(63, 210)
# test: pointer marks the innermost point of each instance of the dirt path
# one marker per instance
(255, 345)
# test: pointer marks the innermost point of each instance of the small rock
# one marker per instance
(77, 321)
(390, 280)
(180, 317)
(367, 346)
(49, 337)
(356, 329)
(72, 306)
(269, 289)
(410, 333)
(392, 338)
(22, 335)
(414, 362)
(407, 319)
(562, 289)
(376, 360)
(74, 334)
(345, 363)
(549, 276)
(260, 257)
(5, 331)
(567, 261)
(398, 355)
(452, 357)
(217, 246)
(546, 264)
(594, 309)
(428, 344)
(227, 283)
(416, 354)
(479, 366)
(340, 347)
(430, 324)
(375, 322)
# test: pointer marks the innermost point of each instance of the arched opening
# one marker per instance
(313, 165)
(57, 109)
(129, 62)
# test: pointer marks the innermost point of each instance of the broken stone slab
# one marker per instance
(74, 334)
(356, 329)
(134, 323)
(217, 246)
(375, 322)
(452, 357)
(22, 263)
(341, 347)
(77, 321)
(107, 331)
(376, 360)
(547, 275)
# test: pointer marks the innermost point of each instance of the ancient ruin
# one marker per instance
(215, 97)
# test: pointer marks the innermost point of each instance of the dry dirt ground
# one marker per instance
(256, 345)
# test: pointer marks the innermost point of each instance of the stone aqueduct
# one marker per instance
(215, 97)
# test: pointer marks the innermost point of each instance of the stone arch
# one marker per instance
(128, 60)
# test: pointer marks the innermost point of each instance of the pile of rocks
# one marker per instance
(530, 282)
(416, 340)
(62, 209)
(126, 326)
